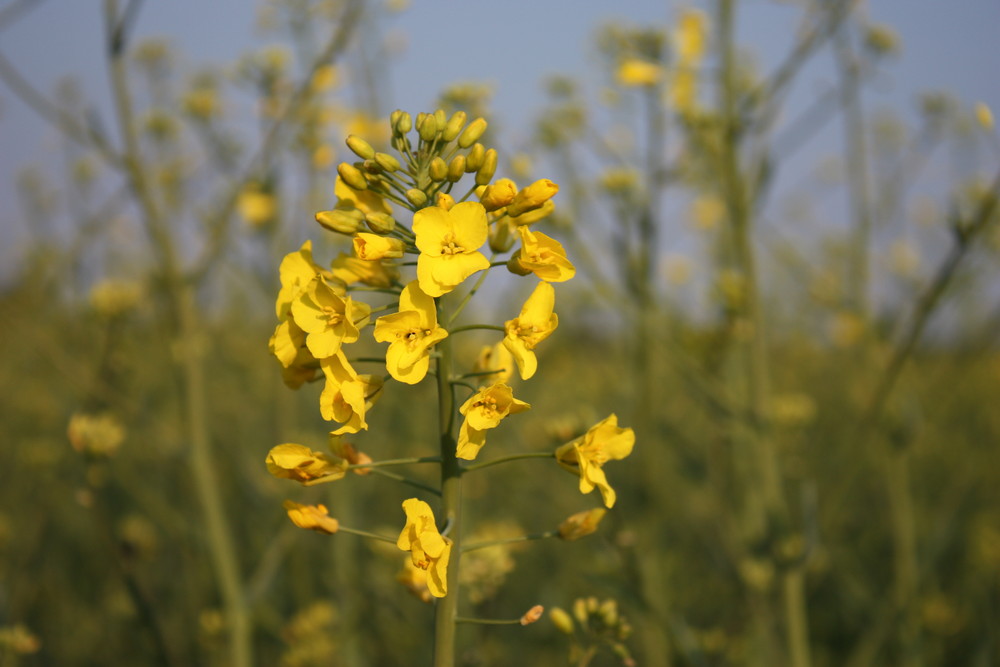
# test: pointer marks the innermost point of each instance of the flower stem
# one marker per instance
(489, 621)
(512, 457)
(473, 327)
(510, 540)
(365, 533)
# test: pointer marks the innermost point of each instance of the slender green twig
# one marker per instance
(472, 327)
(510, 540)
(365, 533)
(506, 459)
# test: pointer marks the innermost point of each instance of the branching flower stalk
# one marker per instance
(322, 316)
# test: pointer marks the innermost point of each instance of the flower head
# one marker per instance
(635, 72)
(410, 333)
(311, 517)
(429, 551)
(535, 323)
(296, 271)
(299, 463)
(587, 454)
(483, 411)
(328, 318)
(449, 243)
(541, 255)
(347, 396)
(371, 247)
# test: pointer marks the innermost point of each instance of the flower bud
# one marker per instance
(380, 223)
(456, 168)
(394, 117)
(403, 124)
(416, 197)
(580, 524)
(444, 200)
(609, 612)
(474, 159)
(532, 615)
(532, 197)
(360, 147)
(371, 167)
(352, 176)
(562, 620)
(488, 168)
(428, 128)
(580, 610)
(342, 221)
(528, 217)
(440, 119)
(454, 126)
(370, 247)
(472, 133)
(387, 162)
(438, 169)
(501, 239)
(498, 194)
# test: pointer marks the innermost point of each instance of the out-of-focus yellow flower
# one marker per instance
(349, 453)
(691, 35)
(520, 165)
(846, 328)
(415, 580)
(96, 434)
(532, 615)
(301, 464)
(562, 620)
(371, 247)
(484, 571)
(636, 72)
(429, 551)
(323, 157)
(410, 333)
(535, 323)
(792, 409)
(707, 212)
(449, 243)
(311, 517)
(347, 396)
(881, 39)
(532, 197)
(202, 103)
(352, 270)
(365, 201)
(683, 92)
(541, 255)
(328, 319)
(111, 298)
(484, 410)
(904, 258)
(256, 206)
(586, 455)
(534, 215)
(324, 78)
(677, 269)
(18, 640)
(495, 362)
(581, 524)
(984, 116)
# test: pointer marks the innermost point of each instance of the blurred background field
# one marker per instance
(784, 221)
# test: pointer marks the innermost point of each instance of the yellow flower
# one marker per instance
(499, 194)
(635, 72)
(581, 524)
(532, 197)
(429, 551)
(347, 396)
(311, 517)
(370, 247)
(296, 271)
(349, 453)
(541, 255)
(684, 89)
(410, 333)
(257, 206)
(365, 201)
(352, 270)
(299, 463)
(329, 319)
(415, 580)
(535, 323)
(95, 434)
(984, 116)
(495, 362)
(587, 454)
(449, 243)
(690, 36)
(484, 410)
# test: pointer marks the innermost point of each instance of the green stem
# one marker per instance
(451, 504)
(365, 533)
(512, 457)
(406, 480)
(510, 540)
(396, 462)
(488, 621)
(473, 327)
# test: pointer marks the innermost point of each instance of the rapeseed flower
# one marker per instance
(311, 517)
(347, 396)
(365, 201)
(635, 72)
(587, 454)
(410, 333)
(374, 273)
(429, 550)
(535, 323)
(296, 271)
(371, 247)
(532, 197)
(299, 463)
(449, 243)
(328, 318)
(495, 362)
(484, 410)
(542, 255)
(581, 524)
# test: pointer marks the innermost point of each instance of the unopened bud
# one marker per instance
(528, 217)
(444, 200)
(440, 119)
(562, 620)
(387, 162)
(474, 159)
(380, 223)
(533, 196)
(416, 197)
(342, 221)
(456, 168)
(498, 194)
(454, 126)
(371, 167)
(438, 169)
(352, 176)
(489, 167)
(502, 238)
(403, 124)
(583, 523)
(609, 612)
(428, 128)
(532, 615)
(360, 147)
(370, 247)
(471, 134)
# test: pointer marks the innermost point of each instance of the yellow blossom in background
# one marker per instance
(636, 72)
(202, 103)
(521, 165)
(311, 517)
(347, 396)
(581, 524)
(111, 298)
(792, 409)
(365, 201)
(374, 273)
(984, 116)
(328, 319)
(323, 157)
(429, 551)
(484, 410)
(904, 258)
(707, 212)
(677, 269)
(535, 323)
(415, 580)
(410, 333)
(846, 328)
(586, 455)
(683, 93)
(17, 640)
(371, 247)
(256, 205)
(449, 243)
(532, 197)
(562, 620)
(324, 78)
(301, 464)
(495, 362)
(484, 571)
(691, 35)
(541, 255)
(95, 434)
